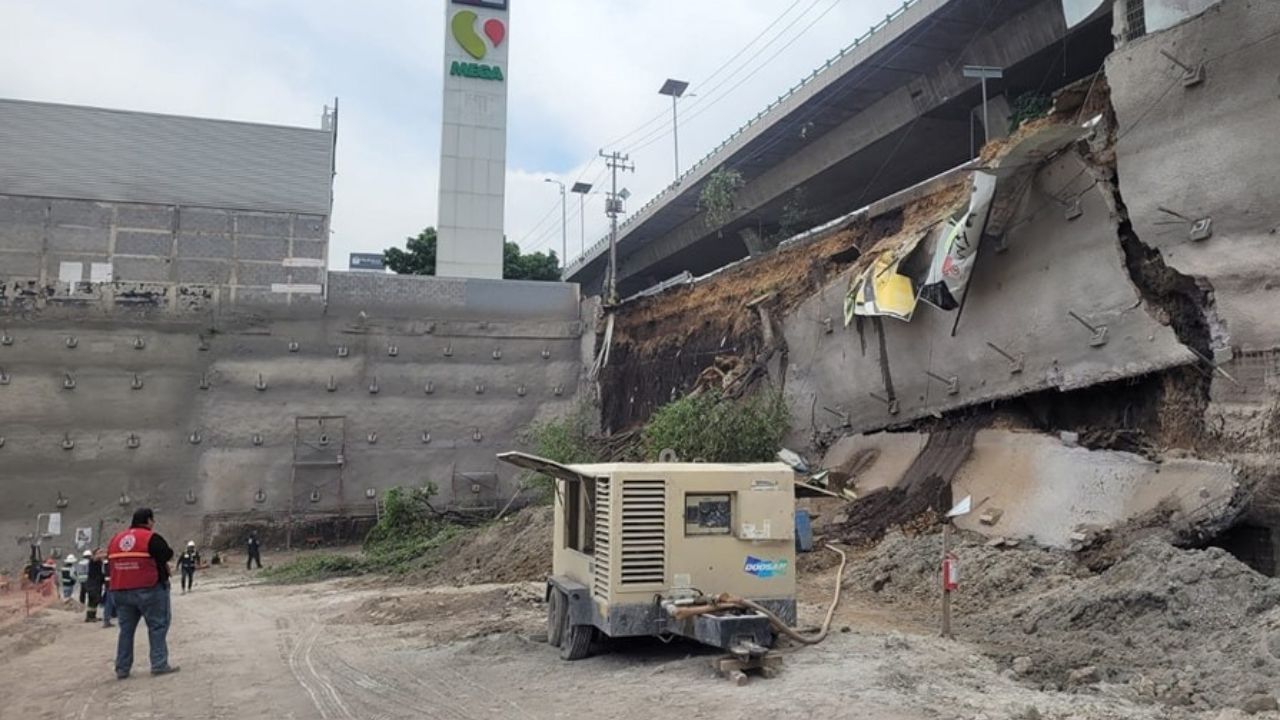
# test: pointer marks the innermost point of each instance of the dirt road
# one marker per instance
(347, 650)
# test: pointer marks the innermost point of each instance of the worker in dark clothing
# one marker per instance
(93, 584)
(255, 553)
(108, 599)
(188, 563)
(139, 560)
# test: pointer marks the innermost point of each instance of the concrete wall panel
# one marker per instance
(22, 237)
(1207, 152)
(145, 217)
(203, 272)
(225, 469)
(310, 227)
(1019, 300)
(262, 248)
(132, 242)
(84, 213)
(79, 239)
(141, 269)
(261, 274)
(199, 245)
(204, 220)
(16, 210)
(20, 265)
(307, 249)
(269, 225)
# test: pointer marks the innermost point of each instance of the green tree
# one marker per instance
(534, 266)
(419, 258)
(713, 428)
(719, 196)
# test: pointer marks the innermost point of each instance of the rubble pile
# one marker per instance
(1188, 628)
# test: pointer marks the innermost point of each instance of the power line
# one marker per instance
(701, 105)
(542, 232)
(661, 116)
(548, 233)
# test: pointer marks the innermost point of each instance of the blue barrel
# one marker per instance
(804, 531)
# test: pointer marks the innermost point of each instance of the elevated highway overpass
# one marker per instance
(890, 110)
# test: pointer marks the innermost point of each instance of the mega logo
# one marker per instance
(463, 27)
(765, 568)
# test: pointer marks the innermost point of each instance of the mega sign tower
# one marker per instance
(473, 163)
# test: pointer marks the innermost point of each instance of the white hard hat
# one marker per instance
(88, 553)
(191, 543)
(70, 558)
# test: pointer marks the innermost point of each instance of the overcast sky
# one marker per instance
(583, 75)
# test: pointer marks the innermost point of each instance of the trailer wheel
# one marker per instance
(557, 614)
(575, 642)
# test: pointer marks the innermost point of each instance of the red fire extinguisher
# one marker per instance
(950, 573)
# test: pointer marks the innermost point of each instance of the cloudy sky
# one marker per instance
(583, 75)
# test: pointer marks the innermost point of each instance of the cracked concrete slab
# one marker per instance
(1047, 489)
(1019, 301)
(1208, 151)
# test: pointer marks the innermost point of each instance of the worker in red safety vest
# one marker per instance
(139, 559)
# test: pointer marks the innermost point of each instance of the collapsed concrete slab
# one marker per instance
(1043, 299)
(875, 461)
(1046, 490)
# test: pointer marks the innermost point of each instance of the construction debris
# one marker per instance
(1164, 621)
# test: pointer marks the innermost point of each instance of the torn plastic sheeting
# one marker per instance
(881, 290)
(955, 247)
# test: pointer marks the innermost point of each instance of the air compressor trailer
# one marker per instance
(669, 549)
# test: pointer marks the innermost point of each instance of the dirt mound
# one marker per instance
(1167, 622)
(515, 549)
(447, 614)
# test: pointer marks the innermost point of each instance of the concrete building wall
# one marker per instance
(456, 379)
(72, 151)
(65, 250)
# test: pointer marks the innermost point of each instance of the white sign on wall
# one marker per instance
(473, 163)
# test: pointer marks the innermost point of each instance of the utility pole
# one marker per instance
(564, 219)
(675, 89)
(613, 208)
(582, 189)
(985, 72)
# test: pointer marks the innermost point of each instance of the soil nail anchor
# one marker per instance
(890, 405)
(952, 383)
(1099, 332)
(1016, 363)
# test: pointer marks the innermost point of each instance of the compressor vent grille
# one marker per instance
(643, 541)
(600, 584)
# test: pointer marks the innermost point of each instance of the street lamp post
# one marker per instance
(564, 219)
(984, 72)
(676, 89)
(582, 189)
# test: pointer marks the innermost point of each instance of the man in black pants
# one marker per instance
(139, 559)
(94, 582)
(255, 554)
(188, 563)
